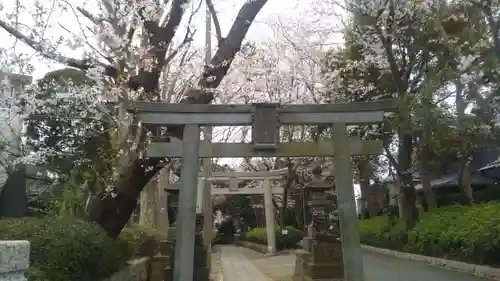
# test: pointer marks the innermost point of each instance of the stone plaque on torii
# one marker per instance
(265, 120)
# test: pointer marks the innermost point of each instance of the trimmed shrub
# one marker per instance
(65, 249)
(373, 225)
(35, 274)
(376, 232)
(283, 241)
(225, 233)
(141, 241)
(466, 233)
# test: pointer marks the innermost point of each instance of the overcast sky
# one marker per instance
(289, 11)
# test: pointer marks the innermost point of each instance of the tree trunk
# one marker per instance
(424, 151)
(148, 199)
(396, 189)
(363, 202)
(464, 182)
(409, 195)
(113, 213)
(369, 200)
(162, 218)
(399, 192)
(404, 165)
(288, 186)
(299, 213)
(464, 174)
(430, 196)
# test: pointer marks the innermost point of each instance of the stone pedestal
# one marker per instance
(323, 263)
(306, 243)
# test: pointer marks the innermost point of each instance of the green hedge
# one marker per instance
(65, 249)
(141, 241)
(225, 233)
(466, 233)
(283, 241)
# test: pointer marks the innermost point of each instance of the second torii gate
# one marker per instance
(233, 177)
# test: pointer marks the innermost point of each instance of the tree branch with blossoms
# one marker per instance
(52, 55)
(118, 24)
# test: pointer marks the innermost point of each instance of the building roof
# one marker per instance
(452, 180)
(390, 178)
(16, 79)
(491, 165)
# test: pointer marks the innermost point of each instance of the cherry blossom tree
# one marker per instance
(284, 69)
(127, 46)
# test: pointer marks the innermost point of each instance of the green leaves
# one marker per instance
(66, 248)
(283, 241)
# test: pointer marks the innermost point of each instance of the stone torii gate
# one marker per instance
(265, 120)
(233, 177)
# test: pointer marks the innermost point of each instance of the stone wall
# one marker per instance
(14, 260)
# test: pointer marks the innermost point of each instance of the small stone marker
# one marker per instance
(14, 260)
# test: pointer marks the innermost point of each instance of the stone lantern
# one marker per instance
(173, 207)
(321, 257)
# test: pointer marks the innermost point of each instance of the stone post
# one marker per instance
(14, 260)
(201, 269)
(269, 213)
(321, 258)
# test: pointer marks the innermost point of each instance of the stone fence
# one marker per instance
(15, 256)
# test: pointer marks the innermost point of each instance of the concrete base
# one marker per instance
(157, 267)
(323, 263)
(201, 271)
(309, 279)
(199, 274)
(306, 243)
(172, 233)
(300, 257)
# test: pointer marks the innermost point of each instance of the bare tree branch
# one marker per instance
(90, 45)
(215, 19)
(40, 48)
(159, 40)
(188, 37)
(88, 15)
(224, 56)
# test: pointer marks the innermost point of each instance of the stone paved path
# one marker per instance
(237, 267)
(245, 264)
